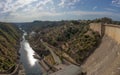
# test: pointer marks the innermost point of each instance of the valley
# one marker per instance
(59, 37)
(59, 48)
(63, 46)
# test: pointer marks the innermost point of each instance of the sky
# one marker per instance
(54, 10)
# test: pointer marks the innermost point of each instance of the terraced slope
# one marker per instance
(9, 41)
(105, 60)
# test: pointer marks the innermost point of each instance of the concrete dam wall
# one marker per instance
(105, 60)
(113, 31)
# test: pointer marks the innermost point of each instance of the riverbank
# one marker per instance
(9, 47)
(18, 68)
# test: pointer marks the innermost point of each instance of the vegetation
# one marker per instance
(106, 20)
(9, 38)
(37, 25)
(72, 37)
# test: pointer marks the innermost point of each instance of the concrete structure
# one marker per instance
(113, 31)
(106, 58)
(69, 70)
(110, 30)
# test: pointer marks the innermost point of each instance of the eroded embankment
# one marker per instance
(106, 58)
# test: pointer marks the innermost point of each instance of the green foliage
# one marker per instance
(104, 20)
(75, 22)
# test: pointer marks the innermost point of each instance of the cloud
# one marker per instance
(64, 3)
(87, 13)
(95, 7)
(11, 5)
(110, 9)
(29, 10)
(15, 10)
(116, 3)
(45, 15)
(1, 6)
(15, 5)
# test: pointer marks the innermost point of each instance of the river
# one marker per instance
(30, 64)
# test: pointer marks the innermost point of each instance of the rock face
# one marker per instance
(105, 60)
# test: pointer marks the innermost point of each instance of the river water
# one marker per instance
(30, 64)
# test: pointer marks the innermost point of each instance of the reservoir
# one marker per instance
(30, 64)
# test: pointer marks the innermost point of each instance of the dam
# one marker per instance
(105, 60)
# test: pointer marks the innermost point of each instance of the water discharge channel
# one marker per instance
(30, 64)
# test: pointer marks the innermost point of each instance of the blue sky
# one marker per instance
(30, 10)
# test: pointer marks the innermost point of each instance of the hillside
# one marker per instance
(92, 48)
(75, 39)
(9, 44)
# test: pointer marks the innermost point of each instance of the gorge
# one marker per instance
(69, 48)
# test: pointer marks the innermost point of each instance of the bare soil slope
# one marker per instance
(105, 60)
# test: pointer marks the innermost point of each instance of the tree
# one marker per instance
(106, 20)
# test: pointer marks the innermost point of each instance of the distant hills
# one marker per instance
(29, 26)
